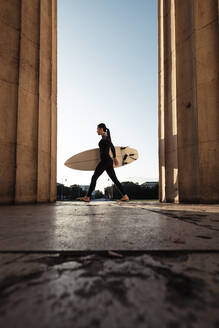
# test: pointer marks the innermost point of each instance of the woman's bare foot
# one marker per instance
(124, 198)
(85, 198)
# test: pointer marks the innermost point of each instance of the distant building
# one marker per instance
(85, 188)
(150, 184)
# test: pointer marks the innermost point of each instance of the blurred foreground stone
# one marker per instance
(105, 264)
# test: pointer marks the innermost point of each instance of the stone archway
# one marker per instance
(188, 101)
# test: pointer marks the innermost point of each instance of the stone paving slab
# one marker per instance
(108, 225)
(94, 290)
(204, 208)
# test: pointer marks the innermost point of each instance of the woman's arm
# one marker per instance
(113, 149)
(114, 153)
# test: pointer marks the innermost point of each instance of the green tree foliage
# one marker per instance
(134, 191)
(69, 193)
(59, 187)
(98, 194)
(76, 191)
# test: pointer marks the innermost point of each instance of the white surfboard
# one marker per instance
(88, 160)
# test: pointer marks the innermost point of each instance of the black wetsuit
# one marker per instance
(106, 163)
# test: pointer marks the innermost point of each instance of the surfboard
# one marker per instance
(87, 160)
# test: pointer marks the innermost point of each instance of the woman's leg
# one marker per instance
(98, 171)
(111, 172)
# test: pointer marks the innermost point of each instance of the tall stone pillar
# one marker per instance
(28, 100)
(189, 101)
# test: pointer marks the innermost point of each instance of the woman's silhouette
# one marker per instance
(106, 163)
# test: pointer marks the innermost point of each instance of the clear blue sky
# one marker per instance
(108, 72)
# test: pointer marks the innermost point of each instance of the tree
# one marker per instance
(98, 194)
(76, 191)
(134, 191)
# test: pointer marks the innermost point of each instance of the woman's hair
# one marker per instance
(105, 129)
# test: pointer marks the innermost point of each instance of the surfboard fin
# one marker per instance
(124, 158)
(133, 158)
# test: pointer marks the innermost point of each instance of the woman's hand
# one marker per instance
(116, 161)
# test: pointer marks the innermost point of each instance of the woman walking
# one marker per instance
(106, 163)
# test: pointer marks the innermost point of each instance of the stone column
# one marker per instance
(167, 102)
(28, 98)
(188, 101)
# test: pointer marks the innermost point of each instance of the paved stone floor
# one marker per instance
(108, 225)
(104, 264)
